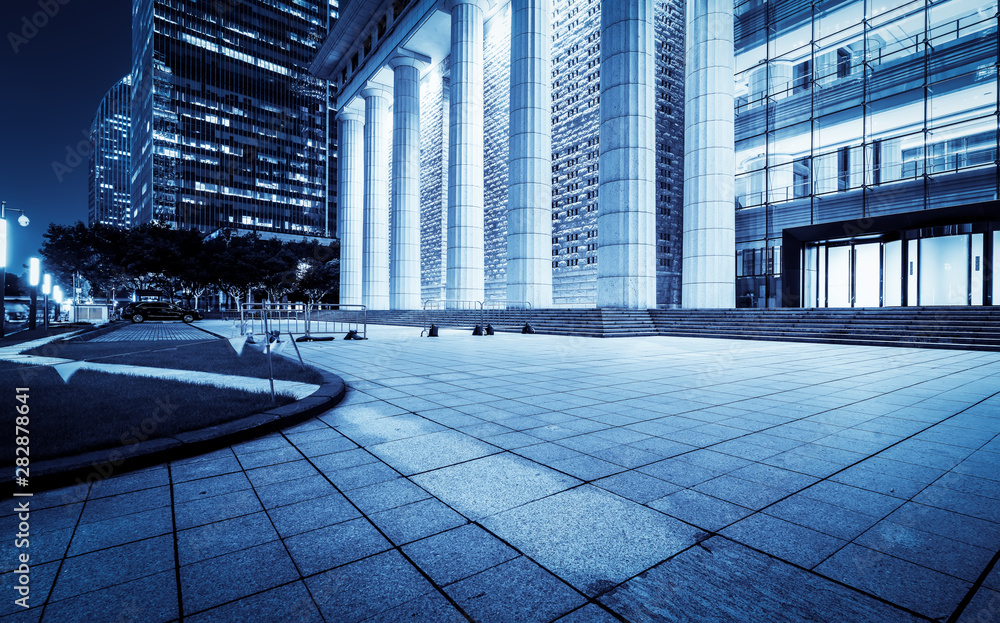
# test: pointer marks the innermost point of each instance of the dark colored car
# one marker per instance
(139, 312)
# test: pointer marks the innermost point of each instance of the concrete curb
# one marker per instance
(98, 465)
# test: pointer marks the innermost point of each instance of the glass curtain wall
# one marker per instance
(851, 109)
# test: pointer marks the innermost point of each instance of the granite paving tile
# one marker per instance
(410, 522)
(432, 451)
(515, 591)
(704, 511)
(207, 510)
(725, 581)
(637, 486)
(492, 484)
(152, 599)
(224, 578)
(591, 538)
(114, 565)
(787, 541)
(367, 588)
(290, 602)
(459, 553)
(315, 513)
(932, 594)
(121, 529)
(937, 552)
(386, 495)
(223, 537)
(332, 546)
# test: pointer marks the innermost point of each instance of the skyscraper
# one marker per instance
(229, 128)
(109, 158)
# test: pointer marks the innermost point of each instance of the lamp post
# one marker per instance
(57, 297)
(46, 288)
(23, 221)
(34, 270)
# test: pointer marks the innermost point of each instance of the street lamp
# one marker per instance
(34, 270)
(46, 289)
(57, 297)
(23, 220)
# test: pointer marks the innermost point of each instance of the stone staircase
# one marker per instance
(974, 328)
(971, 328)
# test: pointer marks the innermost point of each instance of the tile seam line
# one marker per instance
(397, 548)
(177, 559)
(270, 520)
(852, 541)
(62, 559)
(974, 589)
(792, 421)
(762, 509)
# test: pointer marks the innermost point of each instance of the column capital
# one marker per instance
(376, 89)
(350, 114)
(406, 58)
(485, 5)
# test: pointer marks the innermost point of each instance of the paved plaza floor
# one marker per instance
(541, 478)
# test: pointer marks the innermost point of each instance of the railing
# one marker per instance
(504, 314)
(500, 313)
(321, 321)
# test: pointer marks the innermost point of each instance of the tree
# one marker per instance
(235, 263)
(192, 270)
(13, 285)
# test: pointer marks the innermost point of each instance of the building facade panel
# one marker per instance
(229, 128)
(110, 155)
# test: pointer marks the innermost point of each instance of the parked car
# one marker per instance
(139, 312)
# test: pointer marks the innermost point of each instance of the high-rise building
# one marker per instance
(109, 158)
(479, 233)
(228, 128)
(866, 153)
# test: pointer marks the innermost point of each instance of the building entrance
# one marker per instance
(938, 270)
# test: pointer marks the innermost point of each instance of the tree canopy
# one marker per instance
(187, 264)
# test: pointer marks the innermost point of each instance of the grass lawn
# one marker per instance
(215, 355)
(97, 410)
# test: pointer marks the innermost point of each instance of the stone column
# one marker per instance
(709, 268)
(465, 152)
(626, 221)
(404, 252)
(351, 207)
(529, 198)
(375, 268)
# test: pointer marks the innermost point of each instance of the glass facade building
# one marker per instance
(109, 197)
(229, 129)
(866, 152)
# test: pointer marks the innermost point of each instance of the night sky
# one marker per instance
(51, 88)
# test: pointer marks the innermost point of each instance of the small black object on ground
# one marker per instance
(528, 329)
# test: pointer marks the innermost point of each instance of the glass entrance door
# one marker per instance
(867, 274)
(940, 270)
(838, 276)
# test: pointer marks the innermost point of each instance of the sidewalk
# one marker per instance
(542, 478)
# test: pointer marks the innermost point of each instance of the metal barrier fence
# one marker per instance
(500, 313)
(321, 321)
(506, 315)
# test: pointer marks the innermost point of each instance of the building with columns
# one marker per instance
(827, 154)
(471, 136)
